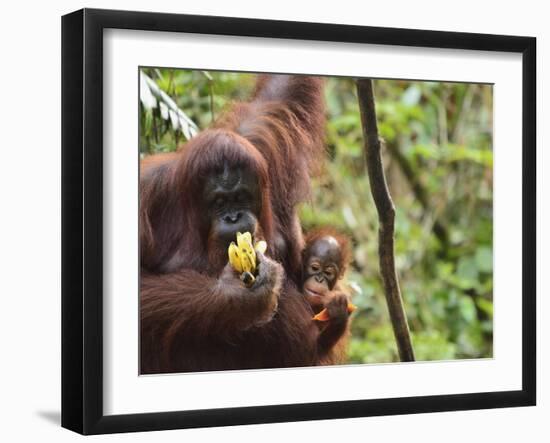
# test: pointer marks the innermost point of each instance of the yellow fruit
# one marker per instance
(234, 257)
(242, 256)
(246, 261)
(261, 247)
(244, 243)
(244, 238)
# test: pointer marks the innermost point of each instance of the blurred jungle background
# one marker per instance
(438, 158)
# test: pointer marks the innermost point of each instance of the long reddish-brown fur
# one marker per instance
(193, 316)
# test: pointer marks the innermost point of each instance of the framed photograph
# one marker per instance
(273, 221)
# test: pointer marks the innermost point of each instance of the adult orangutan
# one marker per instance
(247, 173)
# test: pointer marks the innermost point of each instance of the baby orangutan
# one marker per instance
(325, 258)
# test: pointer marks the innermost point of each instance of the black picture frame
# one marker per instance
(82, 218)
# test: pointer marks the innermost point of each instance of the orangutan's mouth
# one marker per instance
(312, 293)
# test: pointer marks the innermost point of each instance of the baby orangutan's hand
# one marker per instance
(336, 309)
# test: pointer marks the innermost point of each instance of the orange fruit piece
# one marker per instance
(323, 315)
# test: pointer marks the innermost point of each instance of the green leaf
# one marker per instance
(467, 309)
(486, 306)
(484, 259)
(467, 270)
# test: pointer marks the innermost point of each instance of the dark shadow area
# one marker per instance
(54, 417)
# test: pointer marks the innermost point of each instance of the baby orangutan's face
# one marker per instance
(322, 266)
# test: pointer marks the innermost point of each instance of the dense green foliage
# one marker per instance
(438, 159)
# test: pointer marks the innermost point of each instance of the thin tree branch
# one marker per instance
(386, 217)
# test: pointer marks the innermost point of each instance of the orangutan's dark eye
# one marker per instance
(315, 267)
